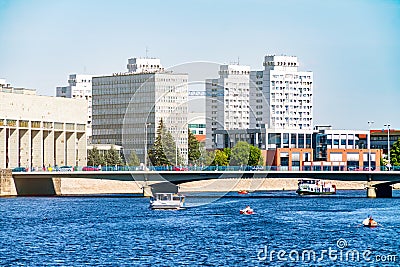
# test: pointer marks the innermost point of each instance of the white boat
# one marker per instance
(247, 211)
(315, 187)
(167, 201)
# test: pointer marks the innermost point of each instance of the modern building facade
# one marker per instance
(41, 131)
(79, 87)
(338, 159)
(265, 139)
(128, 107)
(197, 125)
(227, 101)
(281, 97)
(327, 138)
(379, 139)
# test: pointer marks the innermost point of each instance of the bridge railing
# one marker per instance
(222, 168)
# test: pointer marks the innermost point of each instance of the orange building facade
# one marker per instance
(337, 159)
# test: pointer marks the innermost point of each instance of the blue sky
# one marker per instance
(353, 47)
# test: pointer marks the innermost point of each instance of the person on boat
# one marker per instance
(248, 209)
(370, 222)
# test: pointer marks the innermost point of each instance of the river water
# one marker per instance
(286, 230)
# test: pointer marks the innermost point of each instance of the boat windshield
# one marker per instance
(176, 198)
(164, 197)
(308, 181)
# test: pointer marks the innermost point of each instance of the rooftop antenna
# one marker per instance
(147, 51)
(238, 61)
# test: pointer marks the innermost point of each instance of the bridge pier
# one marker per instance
(7, 185)
(147, 191)
(371, 191)
(379, 191)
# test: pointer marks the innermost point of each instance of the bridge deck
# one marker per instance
(178, 177)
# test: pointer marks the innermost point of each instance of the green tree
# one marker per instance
(240, 154)
(94, 157)
(220, 159)
(133, 159)
(228, 152)
(164, 151)
(112, 157)
(245, 154)
(209, 157)
(255, 156)
(395, 154)
(194, 153)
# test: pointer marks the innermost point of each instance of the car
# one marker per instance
(108, 168)
(19, 169)
(256, 168)
(353, 168)
(177, 168)
(90, 168)
(66, 169)
(367, 168)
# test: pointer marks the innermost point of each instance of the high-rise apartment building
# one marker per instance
(281, 97)
(79, 87)
(227, 101)
(128, 107)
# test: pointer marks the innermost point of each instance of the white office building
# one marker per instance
(126, 106)
(79, 87)
(38, 131)
(227, 101)
(144, 65)
(281, 97)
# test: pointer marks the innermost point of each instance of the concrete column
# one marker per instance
(37, 156)
(13, 148)
(25, 148)
(7, 186)
(379, 191)
(57, 186)
(3, 147)
(59, 147)
(371, 191)
(147, 192)
(70, 148)
(81, 149)
(48, 148)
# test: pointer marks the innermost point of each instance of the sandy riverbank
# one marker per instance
(81, 186)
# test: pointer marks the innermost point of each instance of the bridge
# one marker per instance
(379, 182)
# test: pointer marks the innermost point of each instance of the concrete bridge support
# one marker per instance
(27, 186)
(147, 191)
(379, 190)
(7, 186)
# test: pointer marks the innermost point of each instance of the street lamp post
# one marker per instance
(145, 144)
(369, 144)
(388, 127)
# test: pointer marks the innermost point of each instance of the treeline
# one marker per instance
(164, 152)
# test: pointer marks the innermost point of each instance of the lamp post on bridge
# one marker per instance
(369, 144)
(388, 136)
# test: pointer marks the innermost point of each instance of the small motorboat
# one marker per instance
(243, 192)
(167, 201)
(247, 211)
(369, 222)
(315, 187)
